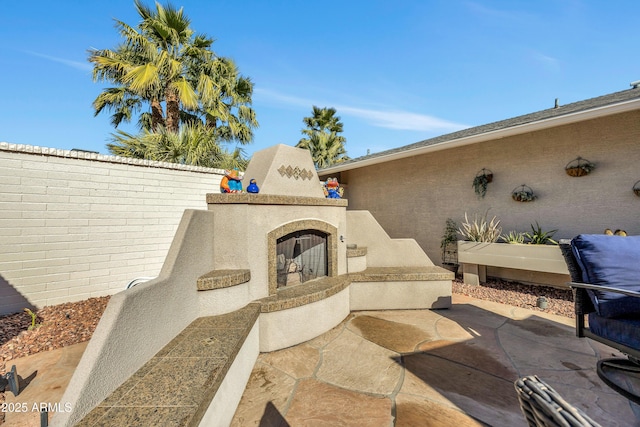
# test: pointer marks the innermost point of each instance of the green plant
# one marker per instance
(480, 185)
(448, 242)
(523, 194)
(450, 233)
(34, 316)
(539, 237)
(587, 167)
(514, 237)
(480, 182)
(480, 230)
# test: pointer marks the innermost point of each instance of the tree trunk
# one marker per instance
(211, 122)
(157, 118)
(173, 111)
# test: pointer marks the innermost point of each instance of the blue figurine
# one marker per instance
(332, 189)
(253, 187)
(231, 182)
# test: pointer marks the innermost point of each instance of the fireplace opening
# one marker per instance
(301, 256)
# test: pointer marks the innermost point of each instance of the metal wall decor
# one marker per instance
(579, 167)
(523, 193)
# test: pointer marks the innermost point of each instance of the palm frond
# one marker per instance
(163, 64)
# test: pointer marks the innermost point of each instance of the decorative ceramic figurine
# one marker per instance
(332, 189)
(253, 187)
(231, 182)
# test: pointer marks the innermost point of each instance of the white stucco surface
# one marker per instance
(224, 404)
(281, 329)
(382, 251)
(400, 295)
(138, 322)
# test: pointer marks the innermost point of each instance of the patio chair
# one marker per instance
(605, 274)
(542, 406)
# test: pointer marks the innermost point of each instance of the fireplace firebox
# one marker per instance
(301, 256)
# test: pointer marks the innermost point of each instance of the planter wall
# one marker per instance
(475, 257)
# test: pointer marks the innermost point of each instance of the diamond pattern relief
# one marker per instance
(295, 172)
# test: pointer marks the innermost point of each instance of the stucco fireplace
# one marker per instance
(289, 233)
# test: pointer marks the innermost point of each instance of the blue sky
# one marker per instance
(397, 72)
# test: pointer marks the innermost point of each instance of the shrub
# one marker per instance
(539, 237)
(479, 230)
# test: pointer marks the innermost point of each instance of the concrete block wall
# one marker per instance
(74, 225)
(413, 197)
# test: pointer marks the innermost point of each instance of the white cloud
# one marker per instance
(547, 61)
(83, 66)
(286, 99)
(401, 120)
(389, 119)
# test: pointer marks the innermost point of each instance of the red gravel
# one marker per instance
(559, 301)
(59, 326)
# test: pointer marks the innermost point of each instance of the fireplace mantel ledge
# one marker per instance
(272, 199)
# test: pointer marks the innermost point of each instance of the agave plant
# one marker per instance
(514, 237)
(539, 237)
(480, 230)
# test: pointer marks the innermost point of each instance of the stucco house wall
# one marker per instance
(413, 197)
(75, 225)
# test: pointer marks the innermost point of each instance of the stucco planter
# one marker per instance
(475, 256)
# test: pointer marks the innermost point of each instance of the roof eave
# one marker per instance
(565, 119)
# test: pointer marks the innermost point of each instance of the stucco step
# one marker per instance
(177, 385)
(218, 279)
(401, 274)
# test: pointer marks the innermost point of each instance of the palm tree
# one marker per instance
(193, 144)
(322, 139)
(164, 65)
(326, 149)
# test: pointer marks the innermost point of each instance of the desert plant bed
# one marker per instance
(560, 301)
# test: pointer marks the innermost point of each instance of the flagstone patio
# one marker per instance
(429, 368)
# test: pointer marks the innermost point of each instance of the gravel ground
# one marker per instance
(56, 326)
(559, 301)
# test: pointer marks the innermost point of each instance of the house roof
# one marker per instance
(601, 106)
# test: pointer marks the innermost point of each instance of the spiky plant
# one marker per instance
(481, 230)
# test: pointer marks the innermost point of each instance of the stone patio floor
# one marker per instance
(452, 367)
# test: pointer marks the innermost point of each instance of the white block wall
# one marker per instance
(77, 225)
